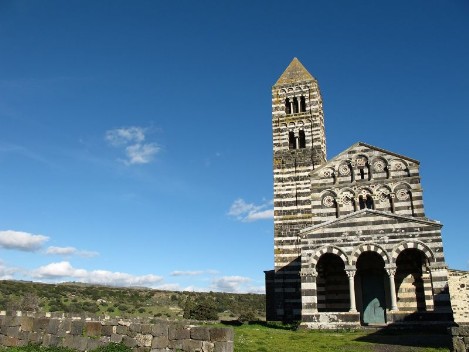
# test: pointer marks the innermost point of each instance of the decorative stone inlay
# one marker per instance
(402, 194)
(383, 195)
(328, 201)
(344, 170)
(346, 198)
(398, 165)
(327, 173)
(361, 162)
(379, 165)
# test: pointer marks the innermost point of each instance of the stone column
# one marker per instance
(351, 276)
(391, 200)
(392, 287)
(309, 302)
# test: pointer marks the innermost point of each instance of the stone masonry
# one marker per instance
(85, 334)
(352, 243)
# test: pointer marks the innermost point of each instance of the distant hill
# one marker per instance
(74, 297)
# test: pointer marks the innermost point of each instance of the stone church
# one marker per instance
(352, 244)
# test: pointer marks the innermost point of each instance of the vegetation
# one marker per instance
(278, 338)
(129, 302)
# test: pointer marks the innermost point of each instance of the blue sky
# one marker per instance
(135, 136)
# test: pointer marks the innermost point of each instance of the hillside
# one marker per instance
(127, 302)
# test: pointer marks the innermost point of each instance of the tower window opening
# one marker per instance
(302, 139)
(369, 202)
(291, 140)
(361, 202)
(362, 174)
(295, 105)
(287, 106)
(302, 104)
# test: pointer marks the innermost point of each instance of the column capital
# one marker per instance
(391, 269)
(350, 271)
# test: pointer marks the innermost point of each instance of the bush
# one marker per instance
(201, 311)
(247, 316)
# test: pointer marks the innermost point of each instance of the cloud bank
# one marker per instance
(66, 251)
(64, 270)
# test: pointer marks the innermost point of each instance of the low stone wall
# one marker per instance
(458, 282)
(86, 334)
(460, 338)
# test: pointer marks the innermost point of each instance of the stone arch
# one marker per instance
(379, 166)
(384, 198)
(362, 166)
(402, 185)
(399, 165)
(365, 247)
(328, 249)
(347, 200)
(366, 198)
(345, 170)
(404, 199)
(413, 245)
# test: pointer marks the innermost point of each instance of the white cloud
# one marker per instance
(140, 153)
(248, 212)
(22, 241)
(61, 250)
(195, 289)
(132, 140)
(193, 272)
(169, 287)
(6, 273)
(65, 251)
(236, 284)
(64, 270)
(128, 135)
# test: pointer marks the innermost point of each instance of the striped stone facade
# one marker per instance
(352, 244)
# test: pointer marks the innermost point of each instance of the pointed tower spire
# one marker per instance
(295, 72)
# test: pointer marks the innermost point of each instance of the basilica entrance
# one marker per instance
(371, 276)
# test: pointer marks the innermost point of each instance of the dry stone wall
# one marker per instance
(459, 292)
(86, 334)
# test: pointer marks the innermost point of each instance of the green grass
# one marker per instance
(259, 338)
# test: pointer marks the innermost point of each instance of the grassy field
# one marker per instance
(259, 338)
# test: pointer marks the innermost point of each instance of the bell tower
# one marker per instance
(299, 146)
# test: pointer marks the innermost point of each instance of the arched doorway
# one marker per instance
(370, 278)
(412, 281)
(332, 284)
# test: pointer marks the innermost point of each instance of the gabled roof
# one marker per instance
(295, 72)
(359, 213)
(331, 161)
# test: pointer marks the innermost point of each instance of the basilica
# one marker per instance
(352, 244)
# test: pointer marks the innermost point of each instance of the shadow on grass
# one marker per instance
(409, 337)
(267, 324)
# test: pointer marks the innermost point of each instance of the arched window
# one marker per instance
(362, 202)
(295, 105)
(302, 104)
(369, 202)
(291, 140)
(362, 174)
(302, 139)
(287, 106)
